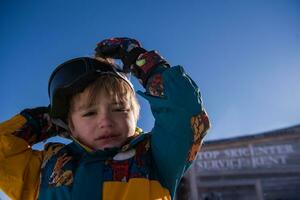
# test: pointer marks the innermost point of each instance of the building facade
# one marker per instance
(263, 166)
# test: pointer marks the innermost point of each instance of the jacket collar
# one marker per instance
(130, 143)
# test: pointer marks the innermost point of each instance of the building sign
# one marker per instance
(251, 157)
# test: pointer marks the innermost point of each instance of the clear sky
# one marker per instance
(244, 55)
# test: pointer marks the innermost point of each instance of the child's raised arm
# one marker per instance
(180, 122)
(180, 119)
(32, 125)
(19, 164)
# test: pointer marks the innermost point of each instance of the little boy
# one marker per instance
(94, 103)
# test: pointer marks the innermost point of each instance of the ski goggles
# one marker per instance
(73, 76)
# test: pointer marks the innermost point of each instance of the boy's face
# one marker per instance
(105, 124)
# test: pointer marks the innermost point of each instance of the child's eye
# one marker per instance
(90, 113)
(121, 109)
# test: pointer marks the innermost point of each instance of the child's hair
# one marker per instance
(118, 89)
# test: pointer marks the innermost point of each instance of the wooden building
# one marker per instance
(263, 166)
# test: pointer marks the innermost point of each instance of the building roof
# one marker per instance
(293, 130)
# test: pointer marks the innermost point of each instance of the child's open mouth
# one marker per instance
(107, 137)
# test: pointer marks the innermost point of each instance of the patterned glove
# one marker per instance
(135, 59)
(40, 123)
(123, 48)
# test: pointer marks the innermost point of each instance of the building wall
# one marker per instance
(262, 166)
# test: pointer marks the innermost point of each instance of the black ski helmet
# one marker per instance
(73, 76)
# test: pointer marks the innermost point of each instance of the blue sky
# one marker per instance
(244, 55)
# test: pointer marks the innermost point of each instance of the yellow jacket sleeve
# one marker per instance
(19, 164)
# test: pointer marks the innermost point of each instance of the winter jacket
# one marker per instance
(149, 166)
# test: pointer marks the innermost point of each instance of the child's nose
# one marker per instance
(104, 120)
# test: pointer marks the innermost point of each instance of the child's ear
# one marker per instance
(70, 124)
